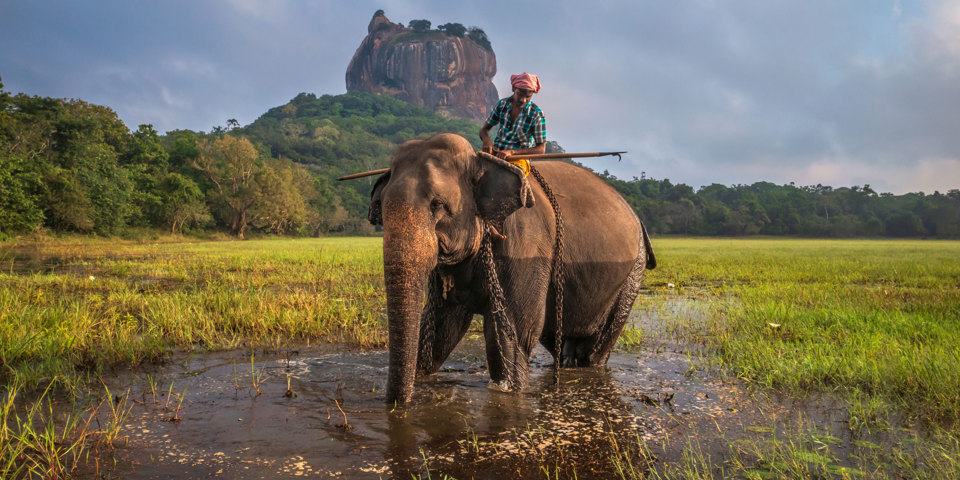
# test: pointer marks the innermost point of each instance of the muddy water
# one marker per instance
(334, 423)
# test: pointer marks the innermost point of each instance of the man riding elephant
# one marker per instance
(523, 128)
(569, 289)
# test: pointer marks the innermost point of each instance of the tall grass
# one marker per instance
(875, 322)
(43, 438)
(790, 449)
(869, 318)
(103, 303)
(862, 318)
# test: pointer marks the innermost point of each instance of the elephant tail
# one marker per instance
(647, 247)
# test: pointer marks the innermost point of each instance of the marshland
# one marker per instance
(743, 358)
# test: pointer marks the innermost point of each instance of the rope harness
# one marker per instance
(495, 290)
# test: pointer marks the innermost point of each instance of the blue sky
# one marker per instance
(700, 92)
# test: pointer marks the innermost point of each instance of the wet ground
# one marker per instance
(319, 412)
(239, 419)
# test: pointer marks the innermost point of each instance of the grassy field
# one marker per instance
(874, 323)
(72, 307)
(865, 318)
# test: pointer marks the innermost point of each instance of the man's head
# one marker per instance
(524, 86)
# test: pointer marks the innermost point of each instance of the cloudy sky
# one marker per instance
(700, 92)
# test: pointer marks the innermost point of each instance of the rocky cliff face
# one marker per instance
(449, 74)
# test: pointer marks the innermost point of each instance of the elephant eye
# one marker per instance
(437, 206)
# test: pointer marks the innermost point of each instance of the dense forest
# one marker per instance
(764, 208)
(71, 166)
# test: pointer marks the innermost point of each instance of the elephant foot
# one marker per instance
(501, 386)
(504, 386)
(575, 353)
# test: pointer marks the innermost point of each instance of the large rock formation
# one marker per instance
(447, 73)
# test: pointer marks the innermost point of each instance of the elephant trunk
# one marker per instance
(409, 255)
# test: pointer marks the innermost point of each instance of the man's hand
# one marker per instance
(485, 138)
(503, 154)
(487, 147)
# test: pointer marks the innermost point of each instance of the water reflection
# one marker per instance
(338, 424)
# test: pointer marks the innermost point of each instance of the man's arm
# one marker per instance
(538, 148)
(485, 138)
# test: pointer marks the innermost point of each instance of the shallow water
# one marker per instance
(455, 424)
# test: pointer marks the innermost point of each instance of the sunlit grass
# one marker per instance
(874, 323)
(74, 307)
(790, 449)
(46, 438)
(858, 317)
(863, 317)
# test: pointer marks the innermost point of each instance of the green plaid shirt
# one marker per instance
(529, 130)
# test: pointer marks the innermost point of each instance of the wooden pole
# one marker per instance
(364, 174)
(533, 156)
(544, 156)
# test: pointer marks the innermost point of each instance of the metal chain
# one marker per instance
(429, 320)
(497, 309)
(557, 274)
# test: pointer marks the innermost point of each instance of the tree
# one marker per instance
(182, 203)
(455, 29)
(480, 37)
(86, 188)
(280, 205)
(231, 165)
(21, 144)
(905, 224)
(181, 148)
(420, 25)
(330, 213)
(147, 163)
(19, 211)
(682, 216)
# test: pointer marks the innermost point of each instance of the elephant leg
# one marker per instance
(575, 352)
(572, 349)
(442, 326)
(508, 353)
(450, 324)
(596, 350)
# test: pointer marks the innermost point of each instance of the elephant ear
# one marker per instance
(375, 214)
(501, 189)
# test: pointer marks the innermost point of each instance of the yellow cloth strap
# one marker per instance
(522, 163)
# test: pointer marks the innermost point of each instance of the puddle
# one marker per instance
(337, 424)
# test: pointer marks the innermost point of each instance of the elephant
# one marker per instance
(441, 201)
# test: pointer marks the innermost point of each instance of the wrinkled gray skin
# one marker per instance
(435, 204)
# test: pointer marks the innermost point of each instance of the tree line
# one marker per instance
(764, 208)
(71, 166)
(67, 165)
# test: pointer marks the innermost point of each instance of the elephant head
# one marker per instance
(434, 204)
